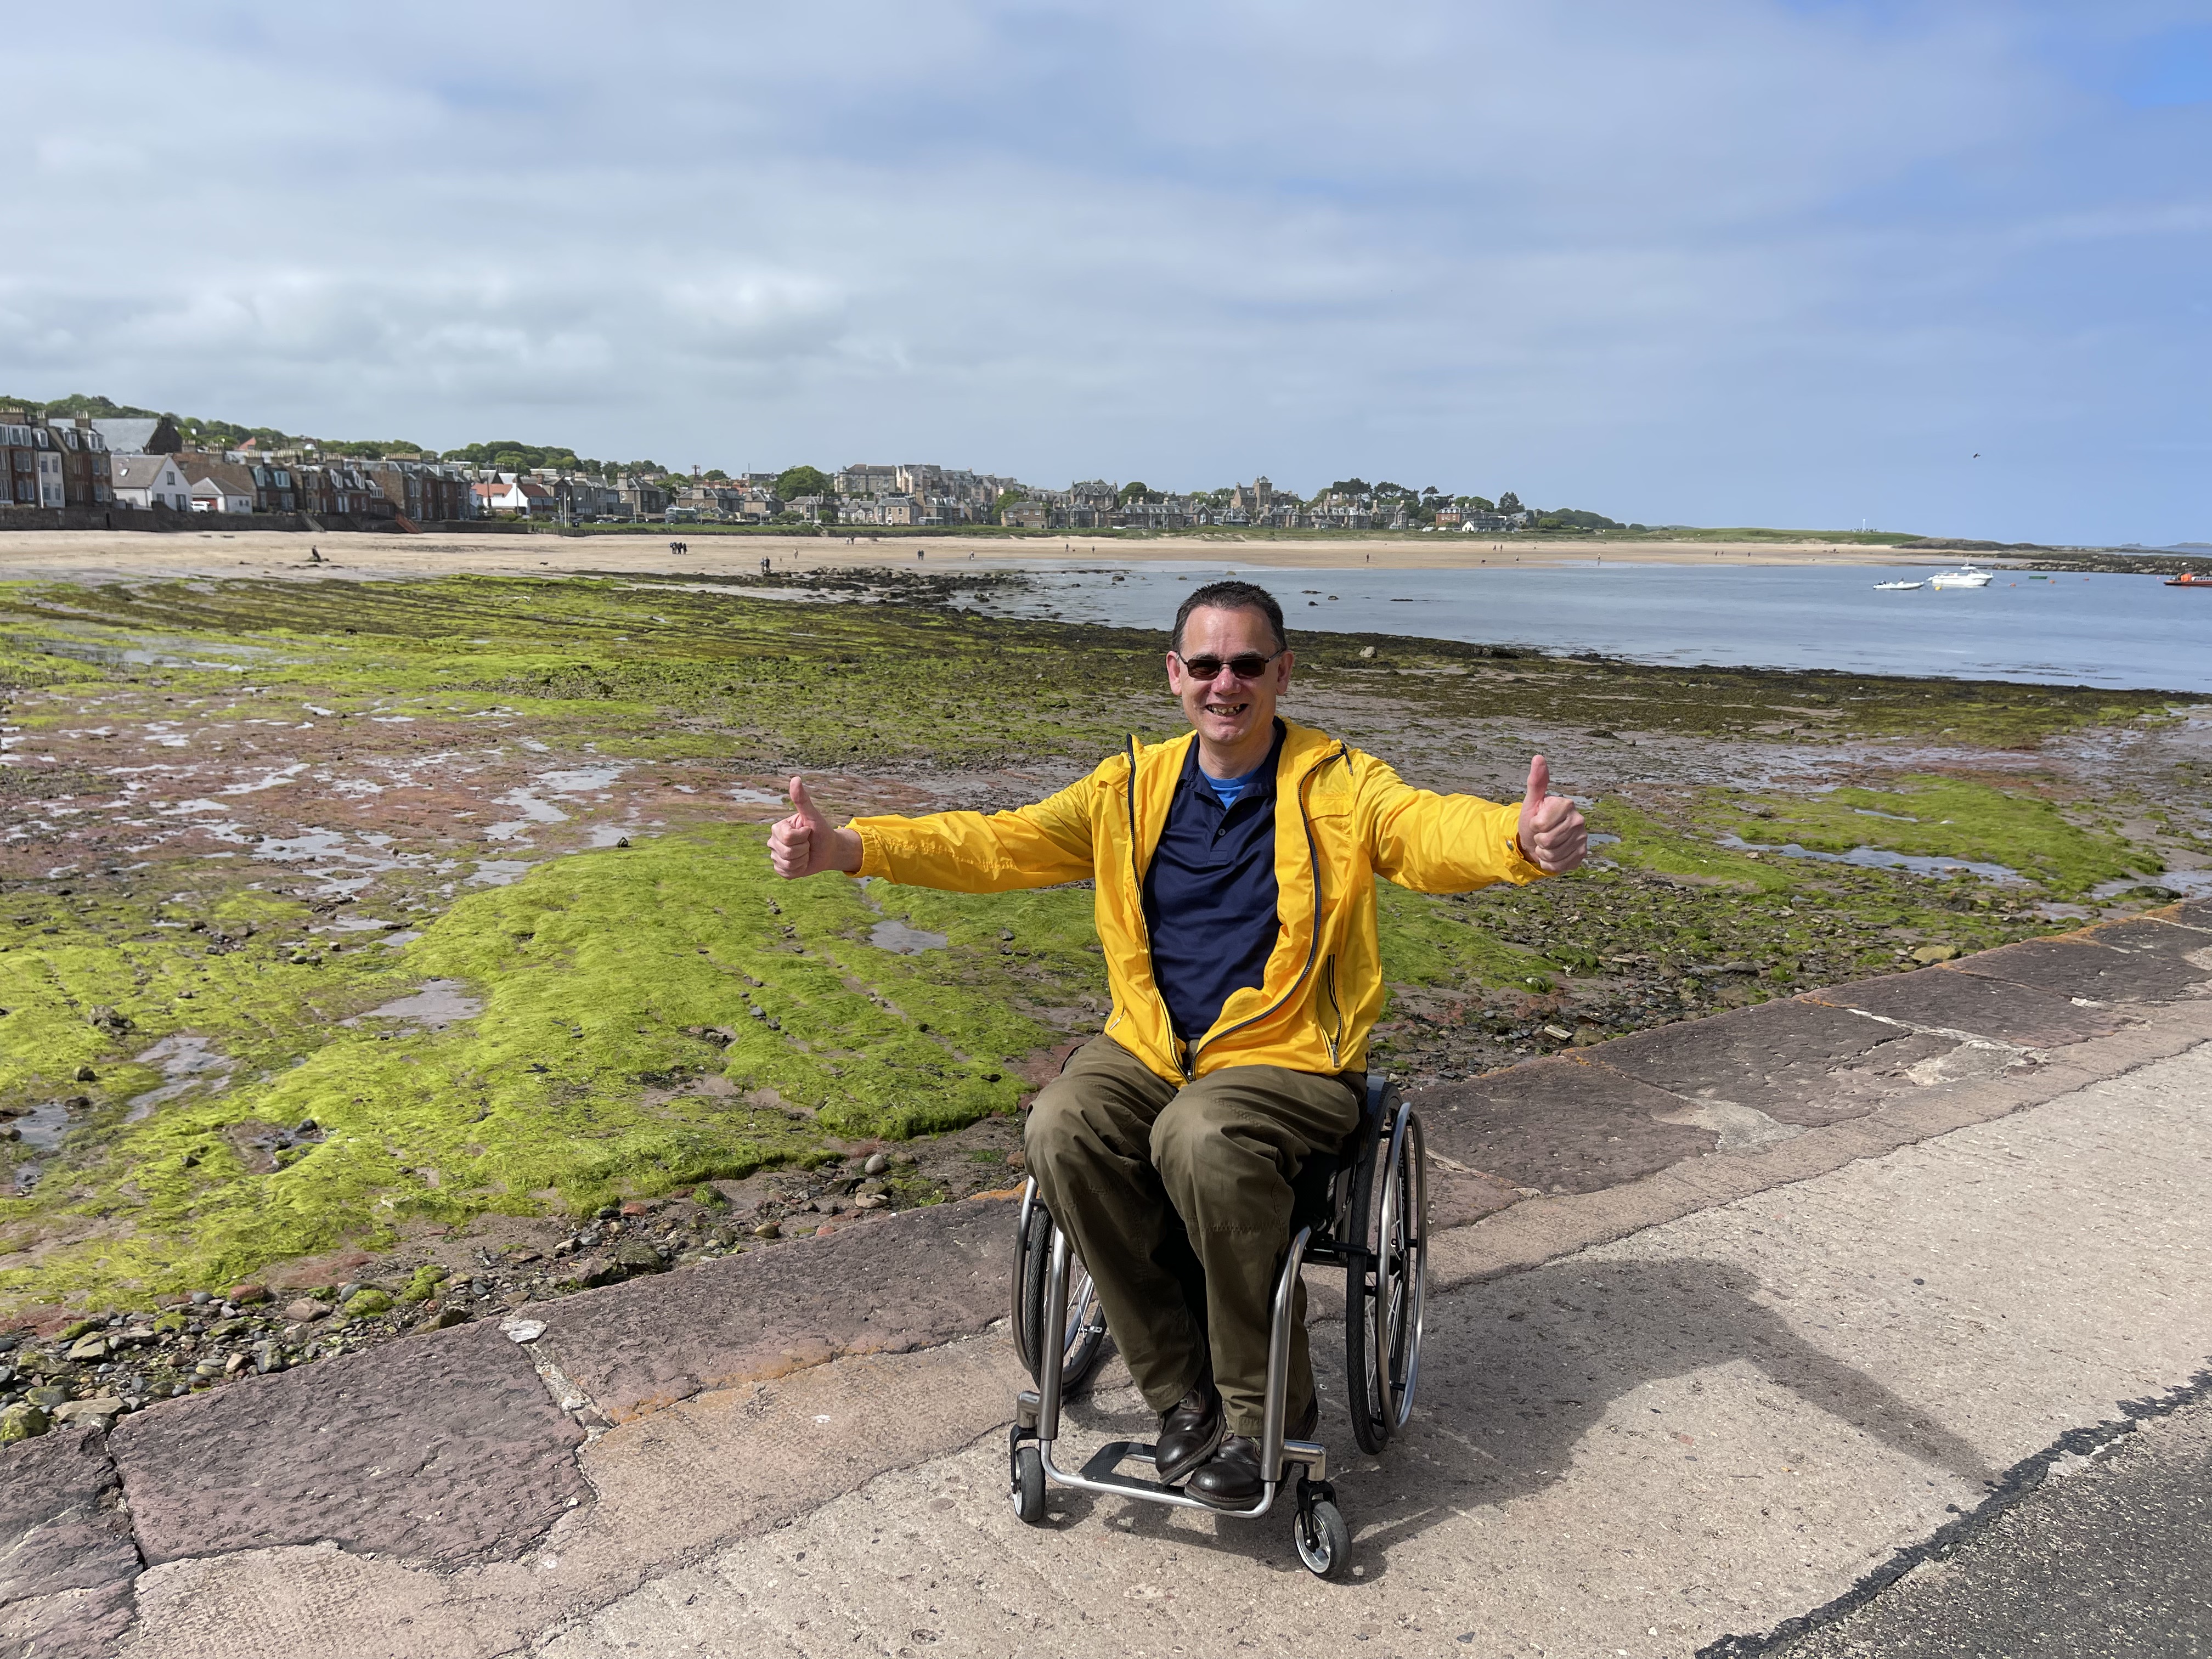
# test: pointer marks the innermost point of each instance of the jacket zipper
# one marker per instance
(1328, 980)
(1313, 948)
(1137, 874)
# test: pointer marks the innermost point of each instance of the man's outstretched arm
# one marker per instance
(1039, 845)
(1437, 843)
(808, 844)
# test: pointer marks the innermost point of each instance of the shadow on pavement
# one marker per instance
(1516, 1375)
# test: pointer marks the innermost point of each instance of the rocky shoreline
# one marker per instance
(234, 895)
(88, 1371)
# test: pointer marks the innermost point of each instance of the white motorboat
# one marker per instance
(1898, 587)
(1965, 576)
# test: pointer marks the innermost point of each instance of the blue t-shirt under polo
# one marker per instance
(1210, 893)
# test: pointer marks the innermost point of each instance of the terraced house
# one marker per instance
(53, 462)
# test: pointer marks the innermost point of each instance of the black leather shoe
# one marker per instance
(1233, 1480)
(1189, 1434)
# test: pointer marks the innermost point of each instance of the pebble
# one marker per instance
(245, 1295)
(638, 1257)
(870, 1201)
(524, 1331)
(98, 1413)
(876, 1164)
(305, 1309)
(88, 1350)
(767, 1229)
(22, 1421)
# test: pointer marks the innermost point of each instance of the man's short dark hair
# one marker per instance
(1233, 596)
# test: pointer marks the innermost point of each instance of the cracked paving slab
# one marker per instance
(448, 1449)
(67, 1567)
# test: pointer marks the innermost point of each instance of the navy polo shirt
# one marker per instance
(1210, 894)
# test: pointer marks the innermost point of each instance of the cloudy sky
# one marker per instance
(1716, 262)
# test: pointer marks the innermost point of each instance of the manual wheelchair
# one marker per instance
(1364, 1209)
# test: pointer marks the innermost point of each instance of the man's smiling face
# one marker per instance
(1228, 711)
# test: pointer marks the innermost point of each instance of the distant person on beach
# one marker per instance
(1246, 977)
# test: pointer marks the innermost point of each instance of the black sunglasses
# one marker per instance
(1248, 666)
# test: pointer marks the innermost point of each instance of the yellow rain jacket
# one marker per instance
(1342, 818)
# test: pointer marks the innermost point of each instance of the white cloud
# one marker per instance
(1724, 261)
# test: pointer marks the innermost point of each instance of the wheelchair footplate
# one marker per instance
(1033, 1469)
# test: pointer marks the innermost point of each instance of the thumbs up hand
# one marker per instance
(1552, 836)
(808, 844)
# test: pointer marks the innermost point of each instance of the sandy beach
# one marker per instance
(87, 554)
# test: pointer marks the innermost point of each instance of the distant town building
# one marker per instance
(516, 492)
(148, 481)
(218, 485)
(21, 442)
(422, 492)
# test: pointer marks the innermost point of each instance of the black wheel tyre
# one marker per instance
(1028, 1491)
(1402, 1271)
(1324, 1541)
(1363, 1378)
(1026, 1294)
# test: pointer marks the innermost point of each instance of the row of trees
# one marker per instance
(1422, 505)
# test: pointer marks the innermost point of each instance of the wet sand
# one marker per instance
(98, 556)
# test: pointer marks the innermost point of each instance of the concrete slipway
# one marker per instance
(1729, 1321)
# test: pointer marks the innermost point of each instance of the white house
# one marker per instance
(513, 493)
(209, 494)
(151, 481)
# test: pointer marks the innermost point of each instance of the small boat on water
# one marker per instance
(2189, 579)
(1966, 575)
(1897, 587)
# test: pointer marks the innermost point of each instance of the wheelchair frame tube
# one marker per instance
(1055, 1351)
(1279, 1357)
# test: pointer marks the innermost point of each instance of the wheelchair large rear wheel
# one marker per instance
(1084, 1335)
(1382, 1307)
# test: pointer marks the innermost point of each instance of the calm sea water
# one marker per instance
(2117, 631)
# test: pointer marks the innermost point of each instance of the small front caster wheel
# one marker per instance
(1324, 1541)
(1028, 1491)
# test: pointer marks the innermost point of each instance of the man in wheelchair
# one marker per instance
(1235, 872)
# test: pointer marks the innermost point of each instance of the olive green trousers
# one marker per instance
(1179, 1201)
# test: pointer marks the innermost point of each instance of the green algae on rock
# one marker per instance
(1938, 817)
(648, 1020)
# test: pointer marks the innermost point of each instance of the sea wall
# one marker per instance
(161, 519)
